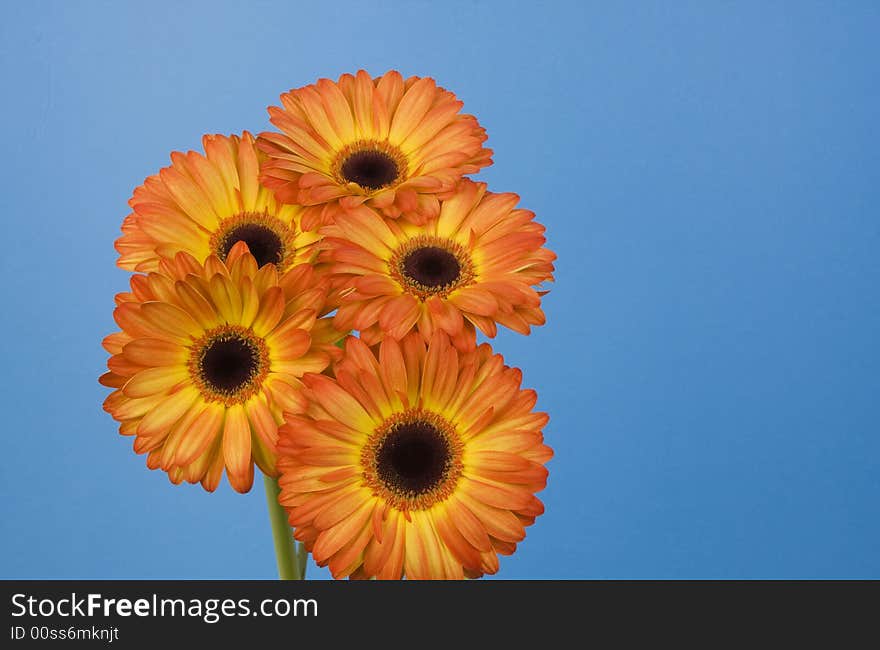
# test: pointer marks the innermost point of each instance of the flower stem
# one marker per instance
(291, 561)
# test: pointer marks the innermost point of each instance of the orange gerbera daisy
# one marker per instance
(395, 144)
(417, 461)
(475, 265)
(209, 357)
(204, 204)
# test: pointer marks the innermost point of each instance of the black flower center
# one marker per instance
(228, 364)
(413, 458)
(264, 243)
(431, 267)
(370, 168)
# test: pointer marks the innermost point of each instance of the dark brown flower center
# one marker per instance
(228, 363)
(431, 267)
(264, 243)
(370, 168)
(414, 458)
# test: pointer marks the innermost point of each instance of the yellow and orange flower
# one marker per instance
(477, 264)
(209, 357)
(391, 143)
(204, 204)
(416, 461)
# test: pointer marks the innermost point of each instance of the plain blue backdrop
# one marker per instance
(709, 176)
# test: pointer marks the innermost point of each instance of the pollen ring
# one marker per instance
(269, 240)
(370, 164)
(413, 460)
(426, 266)
(228, 364)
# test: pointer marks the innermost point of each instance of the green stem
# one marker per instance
(291, 561)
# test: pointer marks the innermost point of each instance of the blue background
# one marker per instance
(709, 176)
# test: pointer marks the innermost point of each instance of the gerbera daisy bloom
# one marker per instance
(204, 204)
(476, 264)
(209, 357)
(417, 461)
(395, 144)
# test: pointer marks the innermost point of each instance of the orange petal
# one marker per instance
(333, 539)
(200, 434)
(167, 412)
(155, 380)
(475, 301)
(154, 352)
(237, 448)
(468, 525)
(399, 315)
(335, 400)
(168, 318)
(271, 310)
